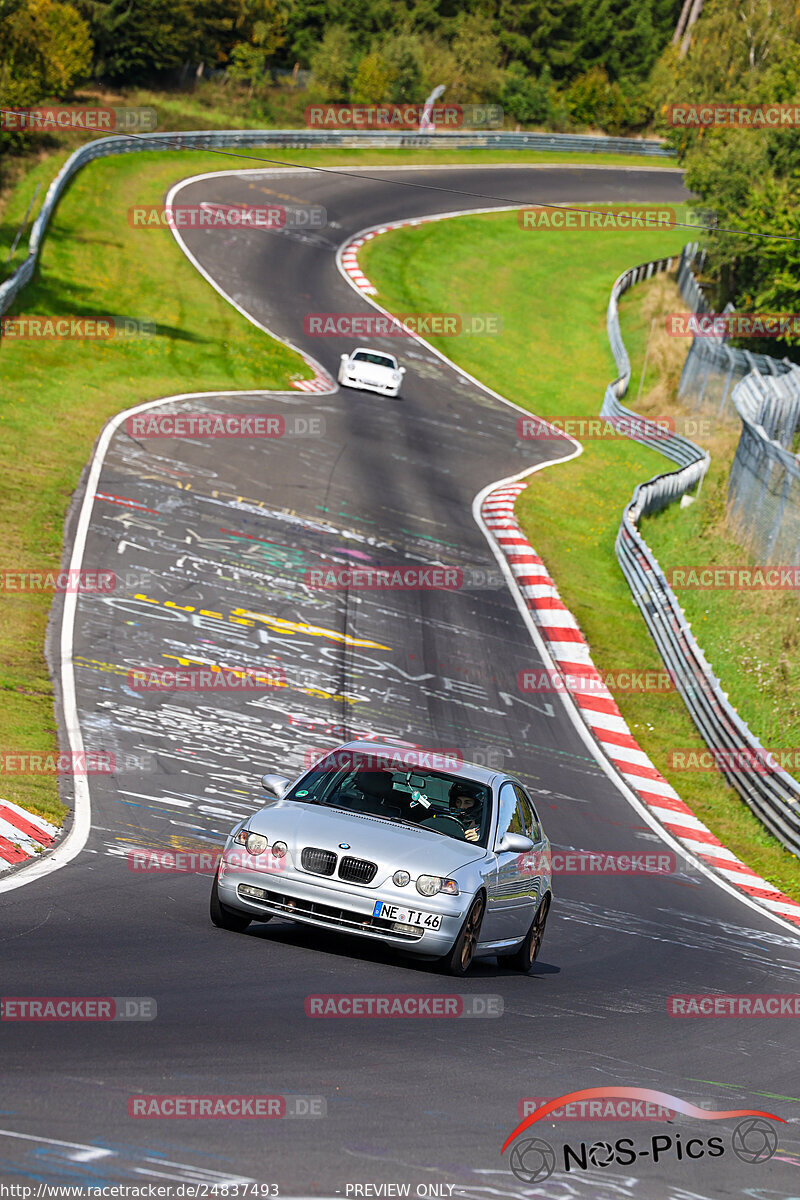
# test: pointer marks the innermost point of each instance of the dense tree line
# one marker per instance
(553, 62)
(608, 64)
(745, 52)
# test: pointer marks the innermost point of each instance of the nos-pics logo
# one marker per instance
(754, 1139)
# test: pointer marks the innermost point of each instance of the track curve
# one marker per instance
(219, 534)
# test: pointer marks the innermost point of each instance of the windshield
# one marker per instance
(433, 800)
(378, 360)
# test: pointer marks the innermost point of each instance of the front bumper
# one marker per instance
(387, 389)
(328, 903)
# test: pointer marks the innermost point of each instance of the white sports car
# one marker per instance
(371, 371)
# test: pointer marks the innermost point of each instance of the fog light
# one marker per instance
(255, 893)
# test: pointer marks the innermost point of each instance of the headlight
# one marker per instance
(396, 377)
(279, 849)
(401, 878)
(256, 843)
(429, 885)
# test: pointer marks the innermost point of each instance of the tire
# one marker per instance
(459, 960)
(223, 917)
(524, 958)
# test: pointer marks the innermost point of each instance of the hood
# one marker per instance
(391, 845)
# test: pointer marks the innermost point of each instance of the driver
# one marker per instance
(467, 810)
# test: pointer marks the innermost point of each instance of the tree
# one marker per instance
(249, 59)
(45, 47)
(332, 64)
(525, 98)
(372, 79)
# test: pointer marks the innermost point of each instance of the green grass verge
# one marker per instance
(553, 358)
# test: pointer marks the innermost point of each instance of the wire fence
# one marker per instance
(769, 791)
(764, 488)
(764, 392)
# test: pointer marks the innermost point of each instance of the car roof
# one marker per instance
(467, 770)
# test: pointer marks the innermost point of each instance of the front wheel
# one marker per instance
(524, 958)
(459, 960)
(223, 917)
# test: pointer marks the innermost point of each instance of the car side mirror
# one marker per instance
(516, 843)
(277, 785)
(344, 357)
(402, 370)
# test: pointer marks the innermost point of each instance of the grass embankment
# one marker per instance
(553, 358)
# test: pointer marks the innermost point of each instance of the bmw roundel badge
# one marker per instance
(344, 845)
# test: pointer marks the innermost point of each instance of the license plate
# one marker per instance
(406, 916)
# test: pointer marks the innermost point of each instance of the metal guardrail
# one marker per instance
(304, 139)
(770, 792)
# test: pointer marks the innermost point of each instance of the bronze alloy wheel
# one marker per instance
(459, 960)
(525, 955)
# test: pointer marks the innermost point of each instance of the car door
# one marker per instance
(536, 864)
(512, 890)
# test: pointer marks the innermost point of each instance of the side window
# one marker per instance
(510, 819)
(532, 827)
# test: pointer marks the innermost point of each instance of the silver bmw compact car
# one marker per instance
(447, 863)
